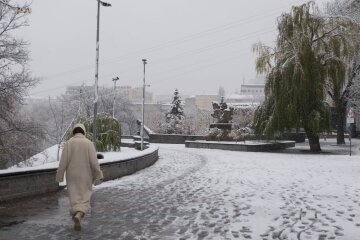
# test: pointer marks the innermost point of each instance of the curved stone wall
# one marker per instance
(29, 183)
(173, 138)
(245, 147)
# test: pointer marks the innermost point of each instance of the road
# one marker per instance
(208, 194)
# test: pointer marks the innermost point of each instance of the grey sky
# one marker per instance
(193, 45)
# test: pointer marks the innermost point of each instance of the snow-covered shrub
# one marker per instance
(212, 134)
(216, 134)
(239, 134)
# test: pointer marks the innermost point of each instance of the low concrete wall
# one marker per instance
(297, 137)
(173, 138)
(128, 144)
(180, 138)
(23, 184)
(118, 169)
(34, 182)
(261, 147)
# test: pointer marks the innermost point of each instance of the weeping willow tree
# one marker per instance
(310, 54)
(108, 136)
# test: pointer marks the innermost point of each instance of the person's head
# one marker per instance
(79, 128)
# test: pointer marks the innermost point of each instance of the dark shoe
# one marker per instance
(77, 221)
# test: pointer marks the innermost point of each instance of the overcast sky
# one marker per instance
(193, 45)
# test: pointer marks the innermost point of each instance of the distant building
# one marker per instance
(256, 90)
(239, 98)
(148, 108)
(75, 90)
(249, 96)
(239, 101)
(189, 103)
(134, 95)
(165, 107)
(163, 98)
(203, 102)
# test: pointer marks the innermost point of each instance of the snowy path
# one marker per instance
(210, 194)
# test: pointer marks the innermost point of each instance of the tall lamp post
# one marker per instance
(97, 66)
(142, 108)
(114, 80)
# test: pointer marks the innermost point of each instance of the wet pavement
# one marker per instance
(133, 207)
(197, 194)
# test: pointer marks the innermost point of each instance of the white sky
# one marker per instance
(193, 45)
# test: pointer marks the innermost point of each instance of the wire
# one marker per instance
(201, 67)
(192, 52)
(183, 72)
(175, 42)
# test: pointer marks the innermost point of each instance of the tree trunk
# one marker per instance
(314, 142)
(340, 122)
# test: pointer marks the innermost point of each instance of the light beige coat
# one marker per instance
(79, 160)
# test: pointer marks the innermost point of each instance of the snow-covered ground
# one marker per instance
(48, 158)
(215, 194)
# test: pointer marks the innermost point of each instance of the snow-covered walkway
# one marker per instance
(209, 194)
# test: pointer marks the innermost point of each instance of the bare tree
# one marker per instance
(344, 8)
(347, 94)
(353, 95)
(82, 98)
(244, 116)
(198, 121)
(122, 108)
(126, 116)
(18, 135)
(106, 100)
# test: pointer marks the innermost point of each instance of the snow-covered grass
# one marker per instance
(48, 159)
(49, 155)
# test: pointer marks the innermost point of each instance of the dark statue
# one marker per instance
(222, 112)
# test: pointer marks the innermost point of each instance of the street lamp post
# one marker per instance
(114, 80)
(142, 108)
(97, 66)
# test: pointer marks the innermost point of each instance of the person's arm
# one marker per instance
(63, 164)
(94, 163)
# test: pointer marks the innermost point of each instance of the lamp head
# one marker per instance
(144, 61)
(105, 4)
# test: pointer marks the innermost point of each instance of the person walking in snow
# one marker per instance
(79, 161)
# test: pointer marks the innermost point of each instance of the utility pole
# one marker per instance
(142, 109)
(97, 66)
(79, 111)
(114, 80)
